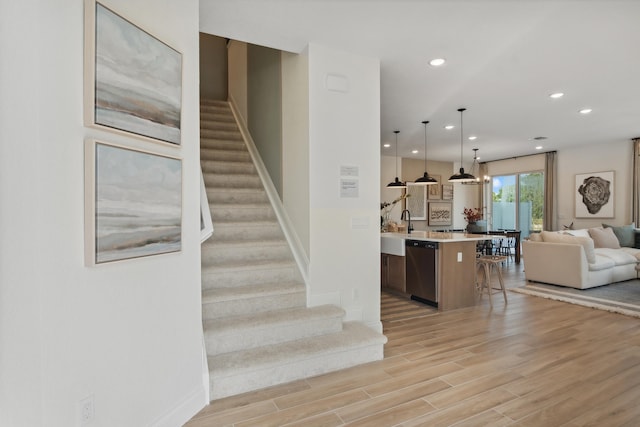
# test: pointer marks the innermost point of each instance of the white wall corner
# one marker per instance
(184, 411)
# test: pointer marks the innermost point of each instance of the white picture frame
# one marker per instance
(440, 213)
(416, 203)
(133, 203)
(132, 80)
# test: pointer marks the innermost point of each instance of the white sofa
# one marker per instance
(572, 258)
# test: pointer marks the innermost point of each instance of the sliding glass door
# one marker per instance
(518, 202)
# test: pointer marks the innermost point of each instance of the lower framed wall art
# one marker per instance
(440, 213)
(133, 203)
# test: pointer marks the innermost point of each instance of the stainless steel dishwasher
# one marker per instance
(421, 271)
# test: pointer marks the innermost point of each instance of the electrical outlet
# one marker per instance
(459, 256)
(86, 409)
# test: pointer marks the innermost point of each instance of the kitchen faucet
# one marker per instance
(402, 217)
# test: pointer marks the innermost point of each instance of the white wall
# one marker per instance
(295, 142)
(614, 156)
(344, 130)
(127, 333)
(213, 67)
(237, 58)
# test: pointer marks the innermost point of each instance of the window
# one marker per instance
(518, 202)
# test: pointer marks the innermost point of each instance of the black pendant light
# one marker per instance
(425, 179)
(462, 176)
(396, 183)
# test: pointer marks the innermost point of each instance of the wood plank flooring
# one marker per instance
(530, 362)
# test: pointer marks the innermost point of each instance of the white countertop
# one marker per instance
(437, 236)
(394, 243)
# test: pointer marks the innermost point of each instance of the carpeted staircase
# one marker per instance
(258, 329)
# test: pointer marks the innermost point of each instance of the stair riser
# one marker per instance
(225, 155)
(226, 168)
(212, 279)
(249, 232)
(221, 134)
(232, 181)
(223, 255)
(225, 126)
(256, 379)
(222, 144)
(253, 338)
(229, 196)
(218, 310)
(221, 116)
(220, 213)
(217, 109)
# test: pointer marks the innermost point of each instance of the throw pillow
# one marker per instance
(637, 239)
(535, 237)
(625, 234)
(604, 238)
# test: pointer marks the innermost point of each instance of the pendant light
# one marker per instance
(396, 183)
(475, 168)
(462, 176)
(425, 179)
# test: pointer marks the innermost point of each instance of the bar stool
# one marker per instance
(486, 265)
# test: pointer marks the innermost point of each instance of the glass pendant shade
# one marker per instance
(462, 176)
(396, 183)
(425, 179)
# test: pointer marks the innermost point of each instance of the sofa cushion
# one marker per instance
(604, 238)
(582, 232)
(618, 256)
(586, 242)
(632, 251)
(625, 234)
(601, 263)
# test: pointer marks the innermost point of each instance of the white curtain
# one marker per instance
(548, 222)
(635, 204)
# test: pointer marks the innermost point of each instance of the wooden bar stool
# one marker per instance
(485, 265)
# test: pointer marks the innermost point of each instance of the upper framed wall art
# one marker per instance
(594, 195)
(416, 202)
(133, 81)
(133, 203)
(434, 191)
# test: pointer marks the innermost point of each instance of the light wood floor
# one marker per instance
(530, 362)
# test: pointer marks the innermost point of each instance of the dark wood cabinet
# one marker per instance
(392, 272)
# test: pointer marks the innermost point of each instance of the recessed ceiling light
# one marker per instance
(387, 145)
(538, 147)
(472, 138)
(449, 127)
(556, 95)
(414, 151)
(585, 111)
(437, 62)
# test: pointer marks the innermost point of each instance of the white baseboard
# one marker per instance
(184, 411)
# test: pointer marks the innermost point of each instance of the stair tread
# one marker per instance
(269, 319)
(250, 291)
(353, 335)
(213, 244)
(257, 265)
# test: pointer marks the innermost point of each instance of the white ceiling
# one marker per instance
(504, 58)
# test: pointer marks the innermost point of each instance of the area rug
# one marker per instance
(622, 297)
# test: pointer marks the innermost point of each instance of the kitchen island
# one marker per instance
(436, 268)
